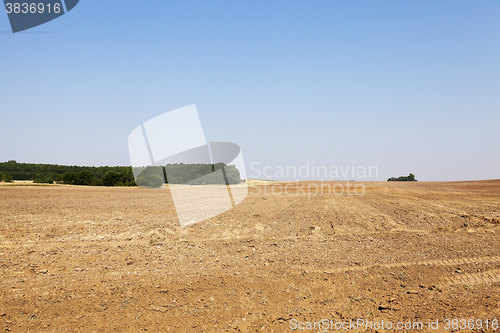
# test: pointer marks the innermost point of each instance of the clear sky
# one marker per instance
(407, 86)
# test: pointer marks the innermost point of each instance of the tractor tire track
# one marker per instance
(490, 276)
(428, 263)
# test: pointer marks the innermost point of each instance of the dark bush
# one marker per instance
(409, 178)
(44, 181)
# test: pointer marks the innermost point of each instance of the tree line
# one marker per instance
(190, 174)
(66, 174)
(31, 171)
(202, 174)
(152, 176)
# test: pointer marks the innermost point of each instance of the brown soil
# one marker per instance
(84, 259)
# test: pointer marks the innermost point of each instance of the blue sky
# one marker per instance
(407, 86)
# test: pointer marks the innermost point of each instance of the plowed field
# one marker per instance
(96, 259)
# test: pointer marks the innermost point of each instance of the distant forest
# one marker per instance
(191, 174)
(202, 174)
(65, 174)
(194, 174)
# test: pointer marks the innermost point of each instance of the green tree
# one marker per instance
(150, 180)
(151, 176)
(233, 174)
(66, 178)
(111, 178)
(84, 177)
(127, 175)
